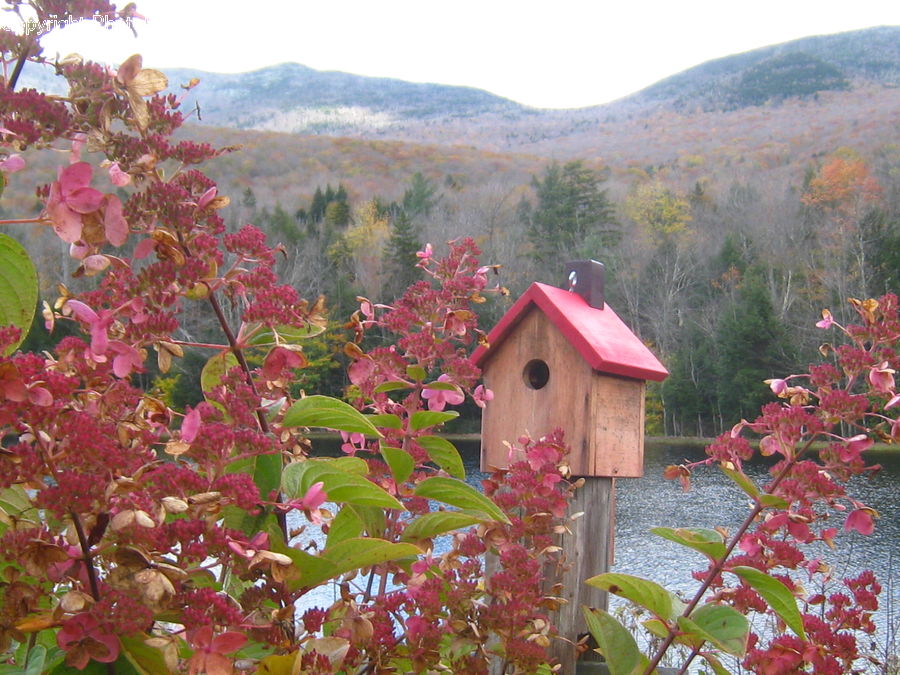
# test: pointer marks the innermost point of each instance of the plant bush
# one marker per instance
(138, 538)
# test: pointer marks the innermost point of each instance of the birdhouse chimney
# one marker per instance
(585, 277)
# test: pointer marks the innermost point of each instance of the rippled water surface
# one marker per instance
(713, 501)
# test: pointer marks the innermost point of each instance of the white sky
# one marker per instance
(546, 53)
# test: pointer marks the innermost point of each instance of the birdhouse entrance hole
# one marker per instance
(536, 374)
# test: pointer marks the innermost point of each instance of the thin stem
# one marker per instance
(21, 221)
(20, 63)
(86, 556)
(720, 563)
(199, 345)
(248, 376)
(686, 665)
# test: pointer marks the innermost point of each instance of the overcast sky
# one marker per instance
(547, 53)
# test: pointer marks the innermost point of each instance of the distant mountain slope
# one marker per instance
(294, 98)
(831, 61)
(780, 95)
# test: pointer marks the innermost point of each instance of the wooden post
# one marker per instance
(586, 553)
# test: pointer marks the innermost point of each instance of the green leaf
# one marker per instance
(37, 658)
(444, 386)
(146, 660)
(339, 484)
(373, 518)
(122, 666)
(386, 421)
(330, 413)
(743, 481)
(715, 664)
(443, 453)
(723, 626)
(416, 373)
(266, 470)
(15, 503)
(355, 465)
(346, 556)
(428, 418)
(708, 542)
(215, 369)
(643, 592)
(346, 525)
(779, 597)
(615, 642)
(400, 463)
(773, 501)
(18, 288)
(461, 495)
(288, 334)
(394, 385)
(439, 522)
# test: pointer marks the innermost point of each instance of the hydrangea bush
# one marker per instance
(135, 538)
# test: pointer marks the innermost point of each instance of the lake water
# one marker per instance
(652, 501)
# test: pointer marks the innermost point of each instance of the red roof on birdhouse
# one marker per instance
(599, 335)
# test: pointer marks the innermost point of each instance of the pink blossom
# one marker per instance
(827, 320)
(127, 359)
(855, 446)
(750, 545)
(438, 398)
(84, 639)
(78, 142)
(310, 502)
(210, 652)
(207, 197)
(769, 445)
(882, 378)
(482, 395)
(12, 164)
(190, 426)
(778, 386)
(314, 497)
(260, 542)
(279, 360)
(862, 520)
(114, 224)
(360, 370)
(70, 198)
(425, 254)
(118, 177)
(352, 442)
(94, 264)
(455, 322)
(97, 323)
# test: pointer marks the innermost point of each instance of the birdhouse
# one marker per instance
(562, 358)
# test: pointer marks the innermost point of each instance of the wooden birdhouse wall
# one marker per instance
(541, 382)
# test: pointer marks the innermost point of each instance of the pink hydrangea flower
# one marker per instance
(83, 639)
(862, 520)
(482, 395)
(439, 398)
(881, 377)
(827, 320)
(210, 651)
(70, 199)
(12, 164)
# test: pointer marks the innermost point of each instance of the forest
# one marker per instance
(725, 231)
(725, 280)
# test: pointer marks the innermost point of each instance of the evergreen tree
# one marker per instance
(317, 206)
(571, 209)
(751, 349)
(400, 255)
(420, 197)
